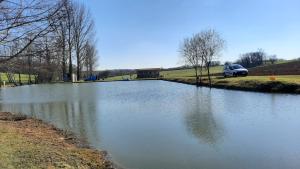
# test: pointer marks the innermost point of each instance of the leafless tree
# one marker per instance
(91, 55)
(273, 59)
(211, 46)
(189, 55)
(200, 50)
(83, 27)
(198, 42)
(39, 36)
(68, 8)
(61, 41)
(20, 18)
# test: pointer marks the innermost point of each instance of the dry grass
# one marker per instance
(30, 143)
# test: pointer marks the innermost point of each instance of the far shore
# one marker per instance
(31, 143)
(283, 84)
(244, 85)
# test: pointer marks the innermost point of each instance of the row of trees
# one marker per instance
(46, 38)
(200, 50)
(253, 59)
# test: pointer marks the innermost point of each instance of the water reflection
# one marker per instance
(157, 124)
(200, 120)
(73, 116)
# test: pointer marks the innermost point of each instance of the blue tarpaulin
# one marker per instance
(91, 78)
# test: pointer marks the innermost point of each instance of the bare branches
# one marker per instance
(40, 36)
(201, 49)
(83, 28)
(91, 54)
(24, 22)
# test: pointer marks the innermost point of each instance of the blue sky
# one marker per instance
(148, 33)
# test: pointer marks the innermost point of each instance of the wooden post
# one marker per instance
(20, 82)
(0, 80)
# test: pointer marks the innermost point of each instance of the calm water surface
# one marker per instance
(165, 125)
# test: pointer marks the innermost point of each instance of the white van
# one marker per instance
(234, 70)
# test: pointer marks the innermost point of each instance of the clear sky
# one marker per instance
(148, 33)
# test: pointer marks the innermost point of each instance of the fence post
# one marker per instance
(0, 80)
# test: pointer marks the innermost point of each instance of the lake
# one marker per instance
(166, 125)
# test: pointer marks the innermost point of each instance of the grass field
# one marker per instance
(172, 73)
(282, 78)
(115, 78)
(24, 78)
(281, 83)
(295, 79)
(189, 72)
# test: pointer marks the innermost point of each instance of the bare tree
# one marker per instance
(39, 36)
(197, 41)
(19, 18)
(252, 59)
(189, 54)
(91, 55)
(211, 46)
(83, 27)
(68, 8)
(61, 42)
(273, 59)
(200, 50)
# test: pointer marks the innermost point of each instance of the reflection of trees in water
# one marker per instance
(200, 120)
(78, 116)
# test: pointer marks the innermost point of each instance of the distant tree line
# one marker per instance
(48, 39)
(213, 63)
(253, 59)
(200, 52)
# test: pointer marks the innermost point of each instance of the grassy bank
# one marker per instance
(30, 143)
(282, 84)
(23, 78)
(184, 73)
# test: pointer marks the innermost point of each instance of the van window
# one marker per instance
(237, 67)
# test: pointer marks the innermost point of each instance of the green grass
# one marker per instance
(24, 78)
(282, 78)
(188, 75)
(115, 78)
(213, 70)
(294, 79)
(282, 83)
(189, 72)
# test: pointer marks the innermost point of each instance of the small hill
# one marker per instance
(289, 68)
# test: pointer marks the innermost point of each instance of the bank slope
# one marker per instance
(30, 143)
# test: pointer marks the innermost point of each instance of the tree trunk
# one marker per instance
(70, 51)
(70, 65)
(78, 65)
(20, 82)
(201, 68)
(64, 60)
(196, 74)
(0, 80)
(29, 79)
(208, 73)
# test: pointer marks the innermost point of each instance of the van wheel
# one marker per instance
(234, 75)
(224, 74)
